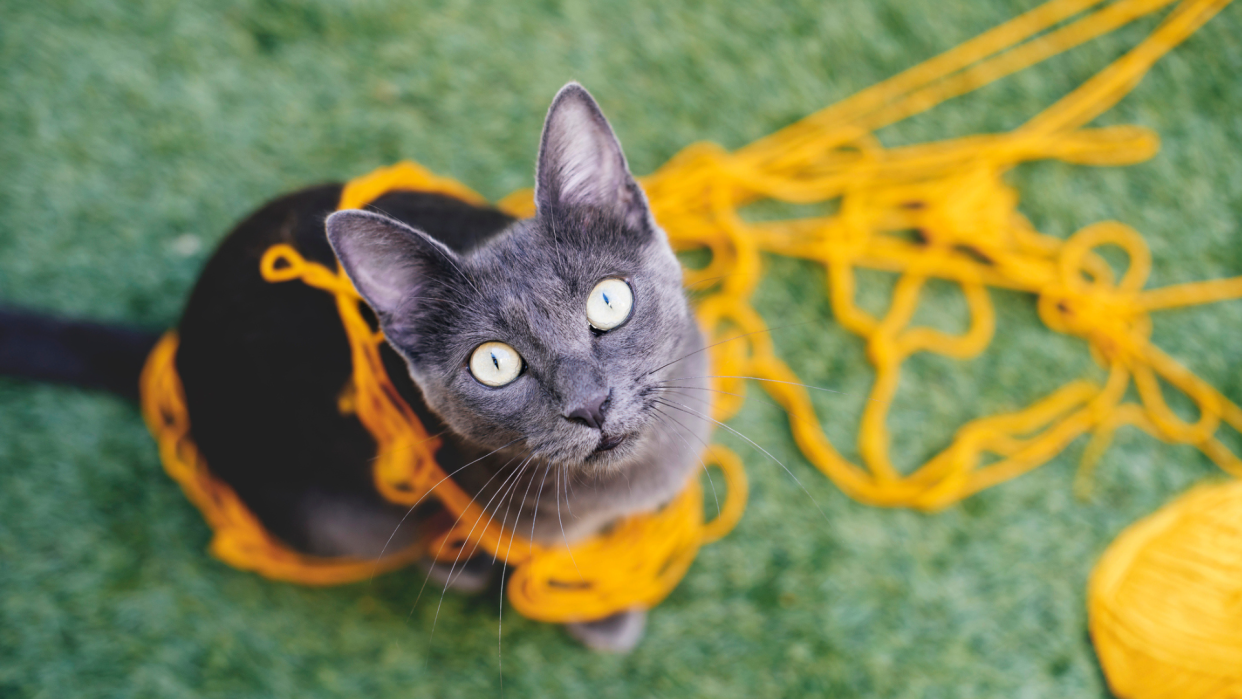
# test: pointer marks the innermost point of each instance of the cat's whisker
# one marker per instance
(427, 579)
(504, 568)
(695, 454)
(680, 391)
(538, 496)
(760, 378)
(760, 398)
(562, 523)
(687, 287)
(424, 495)
(504, 565)
(500, 618)
(449, 578)
(506, 489)
(518, 516)
(695, 413)
(629, 484)
(731, 339)
(415, 445)
(667, 389)
(569, 484)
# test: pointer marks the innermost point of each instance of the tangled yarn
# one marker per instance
(953, 192)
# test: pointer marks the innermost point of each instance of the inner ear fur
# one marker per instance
(387, 261)
(581, 162)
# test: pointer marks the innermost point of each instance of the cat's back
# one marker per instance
(263, 364)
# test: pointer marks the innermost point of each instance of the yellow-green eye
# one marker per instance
(609, 304)
(495, 363)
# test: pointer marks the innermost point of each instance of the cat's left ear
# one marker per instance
(581, 163)
(388, 261)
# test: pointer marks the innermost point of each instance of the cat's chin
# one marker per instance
(616, 451)
(609, 458)
(609, 442)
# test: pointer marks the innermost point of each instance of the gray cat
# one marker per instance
(567, 382)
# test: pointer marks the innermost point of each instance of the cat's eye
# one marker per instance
(609, 304)
(495, 364)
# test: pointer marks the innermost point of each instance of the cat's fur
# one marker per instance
(527, 287)
(262, 364)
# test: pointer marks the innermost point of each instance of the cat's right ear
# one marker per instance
(387, 261)
(581, 162)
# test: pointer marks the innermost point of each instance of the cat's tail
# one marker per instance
(81, 353)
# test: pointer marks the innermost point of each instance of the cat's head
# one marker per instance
(555, 332)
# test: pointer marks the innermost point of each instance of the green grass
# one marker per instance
(133, 134)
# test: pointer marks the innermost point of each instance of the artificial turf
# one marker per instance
(133, 134)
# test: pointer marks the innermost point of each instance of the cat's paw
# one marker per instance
(469, 577)
(618, 633)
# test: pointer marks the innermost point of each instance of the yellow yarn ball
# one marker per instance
(1165, 601)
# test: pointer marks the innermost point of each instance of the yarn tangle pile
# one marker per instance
(953, 192)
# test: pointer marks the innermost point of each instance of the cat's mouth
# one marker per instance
(609, 442)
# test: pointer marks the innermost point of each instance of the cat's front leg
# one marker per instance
(470, 577)
(618, 633)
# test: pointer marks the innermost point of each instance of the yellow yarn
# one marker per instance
(954, 194)
(1166, 600)
(239, 539)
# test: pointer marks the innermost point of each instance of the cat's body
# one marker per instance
(263, 366)
(560, 447)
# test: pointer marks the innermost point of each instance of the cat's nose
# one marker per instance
(591, 411)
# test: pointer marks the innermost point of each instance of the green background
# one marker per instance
(133, 134)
